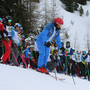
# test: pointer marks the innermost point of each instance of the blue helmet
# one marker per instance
(23, 36)
(1, 19)
(84, 52)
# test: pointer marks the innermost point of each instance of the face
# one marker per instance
(58, 27)
(31, 49)
(19, 31)
(9, 23)
(17, 28)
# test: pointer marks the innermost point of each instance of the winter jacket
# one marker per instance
(87, 57)
(78, 57)
(48, 33)
(2, 30)
(27, 53)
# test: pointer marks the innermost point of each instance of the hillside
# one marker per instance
(78, 31)
(16, 78)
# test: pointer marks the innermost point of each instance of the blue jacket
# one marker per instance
(47, 33)
(26, 51)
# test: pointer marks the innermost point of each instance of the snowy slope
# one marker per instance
(16, 78)
(79, 31)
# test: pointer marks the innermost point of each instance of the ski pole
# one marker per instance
(55, 71)
(73, 80)
(61, 65)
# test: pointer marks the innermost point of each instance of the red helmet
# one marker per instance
(58, 20)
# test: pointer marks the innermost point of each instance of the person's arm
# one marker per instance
(44, 33)
(12, 34)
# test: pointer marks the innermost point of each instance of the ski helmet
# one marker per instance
(62, 43)
(68, 42)
(4, 20)
(84, 52)
(17, 24)
(58, 21)
(23, 36)
(1, 19)
(8, 19)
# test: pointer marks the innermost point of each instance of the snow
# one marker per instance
(79, 30)
(17, 78)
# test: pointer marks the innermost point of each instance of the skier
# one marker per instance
(61, 53)
(7, 40)
(44, 41)
(68, 59)
(79, 66)
(16, 40)
(28, 52)
(87, 60)
(15, 35)
(2, 30)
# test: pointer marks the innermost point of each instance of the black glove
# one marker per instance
(5, 32)
(47, 44)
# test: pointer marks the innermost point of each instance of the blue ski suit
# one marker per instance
(48, 33)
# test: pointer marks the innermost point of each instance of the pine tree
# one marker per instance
(75, 5)
(84, 2)
(81, 11)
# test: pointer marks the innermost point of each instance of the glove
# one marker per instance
(47, 44)
(5, 32)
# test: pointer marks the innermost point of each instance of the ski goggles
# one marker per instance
(9, 20)
(60, 25)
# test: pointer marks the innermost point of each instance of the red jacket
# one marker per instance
(1, 26)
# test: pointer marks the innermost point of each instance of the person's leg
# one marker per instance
(41, 49)
(46, 56)
(8, 51)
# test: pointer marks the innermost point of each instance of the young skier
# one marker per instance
(7, 40)
(68, 60)
(87, 60)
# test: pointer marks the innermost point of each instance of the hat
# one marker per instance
(58, 20)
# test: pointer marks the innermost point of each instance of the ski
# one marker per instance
(57, 78)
